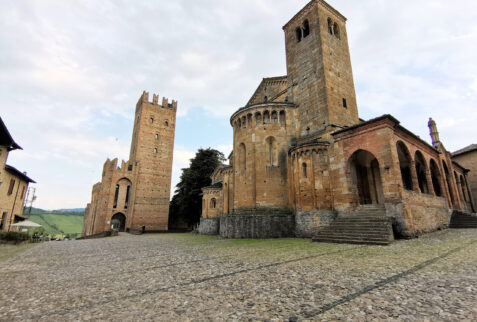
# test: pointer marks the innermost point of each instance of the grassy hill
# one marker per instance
(58, 222)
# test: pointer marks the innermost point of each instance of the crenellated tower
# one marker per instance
(151, 153)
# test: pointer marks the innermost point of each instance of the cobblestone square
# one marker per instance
(182, 277)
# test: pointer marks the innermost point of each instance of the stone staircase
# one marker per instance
(367, 225)
(461, 219)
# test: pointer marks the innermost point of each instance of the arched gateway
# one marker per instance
(118, 222)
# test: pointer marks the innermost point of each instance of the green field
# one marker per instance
(59, 223)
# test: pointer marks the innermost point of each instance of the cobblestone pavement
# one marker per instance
(181, 277)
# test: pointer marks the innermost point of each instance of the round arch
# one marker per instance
(118, 221)
(366, 177)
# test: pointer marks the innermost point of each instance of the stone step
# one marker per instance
(353, 239)
(463, 220)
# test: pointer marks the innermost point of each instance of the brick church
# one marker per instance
(303, 161)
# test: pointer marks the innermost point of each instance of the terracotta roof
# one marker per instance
(6, 139)
(383, 117)
(467, 149)
(18, 173)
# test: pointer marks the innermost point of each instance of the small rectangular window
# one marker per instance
(345, 105)
(12, 185)
(23, 193)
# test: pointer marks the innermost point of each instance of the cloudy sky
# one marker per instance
(72, 71)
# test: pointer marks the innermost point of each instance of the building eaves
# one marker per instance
(6, 138)
(467, 149)
(18, 173)
(384, 117)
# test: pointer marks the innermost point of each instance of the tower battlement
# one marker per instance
(155, 101)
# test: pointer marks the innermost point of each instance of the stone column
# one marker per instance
(430, 186)
(415, 182)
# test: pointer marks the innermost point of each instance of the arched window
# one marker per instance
(272, 151)
(244, 122)
(274, 117)
(283, 117)
(404, 165)
(242, 157)
(266, 117)
(157, 136)
(116, 194)
(258, 118)
(298, 34)
(305, 171)
(265, 99)
(151, 120)
(330, 26)
(166, 123)
(213, 203)
(306, 28)
(421, 170)
(336, 30)
(155, 150)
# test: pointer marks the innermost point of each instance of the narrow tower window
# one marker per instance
(155, 150)
(336, 30)
(298, 34)
(157, 136)
(330, 26)
(127, 196)
(306, 28)
(116, 194)
(345, 105)
(12, 185)
(151, 120)
(166, 123)
(305, 173)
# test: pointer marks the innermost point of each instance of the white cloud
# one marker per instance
(72, 72)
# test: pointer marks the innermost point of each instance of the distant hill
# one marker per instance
(70, 210)
(58, 222)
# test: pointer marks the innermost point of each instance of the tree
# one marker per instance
(186, 205)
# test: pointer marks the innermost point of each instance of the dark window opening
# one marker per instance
(336, 30)
(130, 167)
(127, 196)
(345, 105)
(155, 150)
(265, 99)
(23, 193)
(306, 28)
(151, 120)
(298, 34)
(12, 185)
(330, 26)
(157, 136)
(305, 173)
(166, 123)
(116, 194)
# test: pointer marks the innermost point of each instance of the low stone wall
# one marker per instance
(209, 226)
(307, 223)
(424, 213)
(257, 226)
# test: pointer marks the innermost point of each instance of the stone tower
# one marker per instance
(319, 69)
(151, 153)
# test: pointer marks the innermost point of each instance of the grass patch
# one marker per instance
(59, 224)
(8, 250)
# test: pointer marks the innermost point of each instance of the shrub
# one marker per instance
(14, 236)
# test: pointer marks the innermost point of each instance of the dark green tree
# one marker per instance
(186, 205)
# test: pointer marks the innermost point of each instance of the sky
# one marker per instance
(72, 71)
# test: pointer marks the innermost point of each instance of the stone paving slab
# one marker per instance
(185, 277)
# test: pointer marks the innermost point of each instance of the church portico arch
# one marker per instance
(366, 177)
